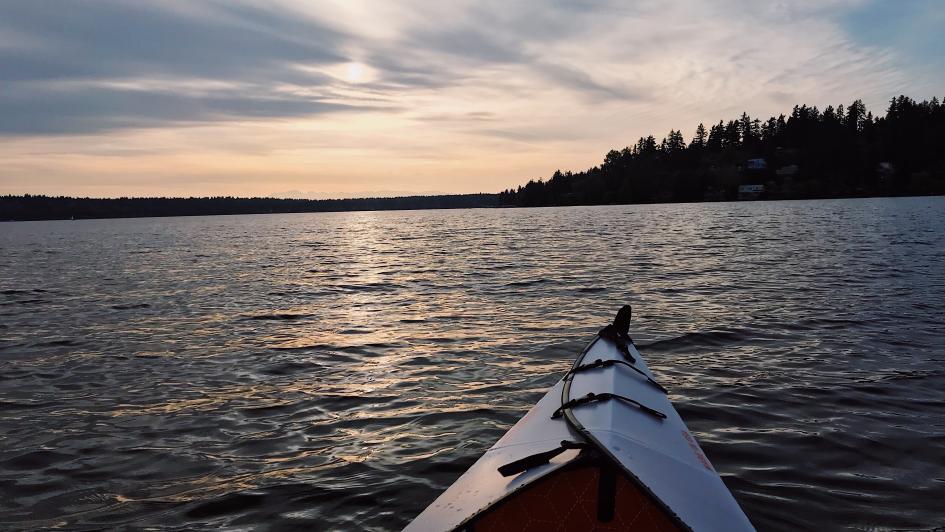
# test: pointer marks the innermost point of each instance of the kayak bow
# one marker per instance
(603, 450)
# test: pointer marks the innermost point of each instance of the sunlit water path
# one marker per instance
(337, 371)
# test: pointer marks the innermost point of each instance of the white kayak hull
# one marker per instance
(656, 456)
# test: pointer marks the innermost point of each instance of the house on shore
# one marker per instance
(750, 192)
(756, 164)
(788, 170)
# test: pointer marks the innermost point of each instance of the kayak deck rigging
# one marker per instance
(591, 397)
(602, 450)
(608, 363)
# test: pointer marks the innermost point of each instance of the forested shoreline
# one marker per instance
(30, 207)
(836, 152)
(811, 153)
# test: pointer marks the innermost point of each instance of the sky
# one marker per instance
(355, 98)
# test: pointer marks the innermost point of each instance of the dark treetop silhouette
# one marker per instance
(50, 208)
(837, 152)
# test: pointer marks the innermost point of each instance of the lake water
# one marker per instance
(337, 371)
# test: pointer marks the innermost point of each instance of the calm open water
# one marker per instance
(337, 371)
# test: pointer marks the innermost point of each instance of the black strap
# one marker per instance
(608, 363)
(606, 493)
(620, 339)
(594, 397)
(542, 458)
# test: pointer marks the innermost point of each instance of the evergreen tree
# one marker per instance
(700, 138)
(856, 113)
(732, 137)
(769, 130)
(744, 127)
(674, 142)
(714, 143)
(649, 148)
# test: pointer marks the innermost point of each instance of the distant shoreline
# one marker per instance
(27, 208)
(34, 208)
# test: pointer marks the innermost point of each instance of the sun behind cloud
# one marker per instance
(353, 72)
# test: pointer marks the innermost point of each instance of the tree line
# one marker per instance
(812, 153)
(34, 207)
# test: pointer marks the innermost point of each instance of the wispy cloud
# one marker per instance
(346, 96)
(121, 38)
(90, 66)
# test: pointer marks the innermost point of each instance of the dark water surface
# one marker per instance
(337, 371)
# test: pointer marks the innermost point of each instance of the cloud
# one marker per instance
(28, 111)
(273, 59)
(115, 38)
(80, 65)
(467, 95)
(573, 78)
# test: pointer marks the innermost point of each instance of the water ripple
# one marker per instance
(336, 371)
